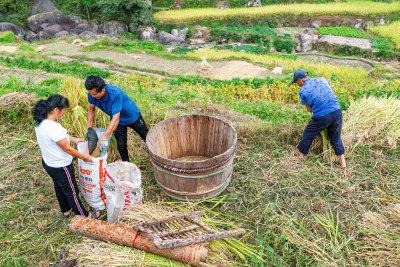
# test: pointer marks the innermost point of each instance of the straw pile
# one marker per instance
(226, 252)
(369, 121)
(372, 121)
(380, 241)
(14, 99)
(204, 68)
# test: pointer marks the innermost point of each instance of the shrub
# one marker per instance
(284, 44)
(127, 11)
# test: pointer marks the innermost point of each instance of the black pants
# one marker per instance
(121, 135)
(333, 123)
(67, 191)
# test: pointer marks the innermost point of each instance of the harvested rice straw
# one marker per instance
(94, 253)
(225, 252)
(372, 121)
(380, 240)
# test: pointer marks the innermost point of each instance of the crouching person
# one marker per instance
(122, 110)
(318, 97)
(57, 154)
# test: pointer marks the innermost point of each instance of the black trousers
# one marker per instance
(121, 135)
(333, 123)
(67, 191)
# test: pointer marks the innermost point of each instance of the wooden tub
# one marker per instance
(192, 156)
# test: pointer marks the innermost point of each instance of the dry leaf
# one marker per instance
(10, 198)
(42, 225)
(231, 189)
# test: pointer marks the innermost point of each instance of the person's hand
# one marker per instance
(102, 143)
(79, 140)
(88, 158)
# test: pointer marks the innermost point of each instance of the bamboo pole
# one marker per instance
(123, 235)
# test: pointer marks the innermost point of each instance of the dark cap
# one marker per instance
(299, 74)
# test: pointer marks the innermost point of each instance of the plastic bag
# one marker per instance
(123, 188)
(91, 179)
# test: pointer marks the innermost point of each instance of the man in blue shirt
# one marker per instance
(318, 97)
(122, 110)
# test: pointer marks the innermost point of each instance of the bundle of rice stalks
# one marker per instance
(322, 141)
(75, 116)
(372, 121)
(380, 241)
(225, 252)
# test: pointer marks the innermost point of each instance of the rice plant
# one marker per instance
(316, 69)
(371, 121)
(364, 8)
(390, 31)
(75, 116)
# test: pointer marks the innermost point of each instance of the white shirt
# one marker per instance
(48, 133)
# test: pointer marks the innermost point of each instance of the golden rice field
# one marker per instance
(389, 31)
(364, 8)
(316, 69)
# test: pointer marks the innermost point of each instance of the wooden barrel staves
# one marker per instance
(192, 156)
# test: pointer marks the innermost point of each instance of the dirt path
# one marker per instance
(221, 69)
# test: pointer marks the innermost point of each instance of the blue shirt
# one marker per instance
(318, 94)
(116, 101)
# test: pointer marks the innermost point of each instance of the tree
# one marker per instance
(126, 11)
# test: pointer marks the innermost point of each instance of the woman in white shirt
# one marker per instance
(57, 154)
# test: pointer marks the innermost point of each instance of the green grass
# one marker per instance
(127, 46)
(73, 68)
(8, 38)
(43, 89)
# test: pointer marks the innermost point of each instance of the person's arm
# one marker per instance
(90, 115)
(112, 126)
(308, 107)
(63, 143)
